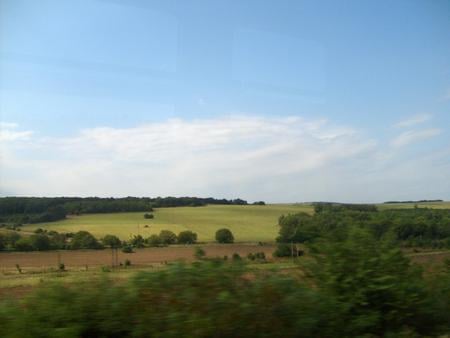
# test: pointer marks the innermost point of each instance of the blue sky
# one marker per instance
(277, 100)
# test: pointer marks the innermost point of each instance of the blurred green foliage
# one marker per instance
(356, 286)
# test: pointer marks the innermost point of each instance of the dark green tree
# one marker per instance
(224, 236)
(137, 241)
(111, 241)
(40, 242)
(187, 237)
(84, 240)
(167, 237)
(153, 240)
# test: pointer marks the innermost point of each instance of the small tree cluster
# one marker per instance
(167, 237)
(258, 256)
(224, 236)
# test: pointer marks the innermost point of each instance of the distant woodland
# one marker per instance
(48, 209)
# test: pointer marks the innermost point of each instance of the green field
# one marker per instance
(249, 223)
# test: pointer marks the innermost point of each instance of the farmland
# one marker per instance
(249, 223)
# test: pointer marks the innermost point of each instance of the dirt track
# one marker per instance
(81, 258)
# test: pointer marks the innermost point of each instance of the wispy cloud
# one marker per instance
(412, 136)
(183, 157)
(9, 132)
(413, 120)
(277, 159)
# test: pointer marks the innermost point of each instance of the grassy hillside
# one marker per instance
(247, 222)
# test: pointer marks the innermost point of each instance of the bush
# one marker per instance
(187, 237)
(137, 241)
(153, 240)
(23, 244)
(127, 248)
(236, 257)
(127, 262)
(224, 236)
(260, 256)
(112, 241)
(167, 237)
(40, 242)
(199, 253)
(84, 240)
(149, 216)
(283, 250)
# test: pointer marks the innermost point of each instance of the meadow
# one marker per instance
(249, 223)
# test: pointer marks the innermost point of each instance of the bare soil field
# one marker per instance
(146, 256)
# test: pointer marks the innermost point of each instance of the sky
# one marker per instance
(281, 101)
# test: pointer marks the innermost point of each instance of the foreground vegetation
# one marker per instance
(357, 280)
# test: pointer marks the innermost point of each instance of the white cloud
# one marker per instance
(412, 136)
(8, 132)
(181, 157)
(275, 159)
(413, 120)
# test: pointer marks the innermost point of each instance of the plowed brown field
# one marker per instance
(147, 256)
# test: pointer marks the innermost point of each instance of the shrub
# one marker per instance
(224, 236)
(153, 240)
(127, 248)
(167, 237)
(199, 253)
(260, 256)
(187, 237)
(149, 216)
(84, 240)
(112, 241)
(127, 262)
(236, 257)
(23, 244)
(18, 268)
(40, 242)
(137, 241)
(283, 250)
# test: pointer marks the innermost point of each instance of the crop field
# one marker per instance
(41, 267)
(249, 223)
(81, 258)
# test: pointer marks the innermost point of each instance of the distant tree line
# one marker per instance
(419, 201)
(47, 209)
